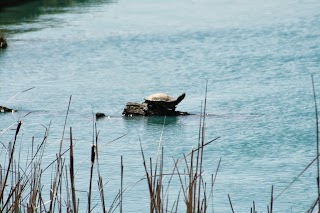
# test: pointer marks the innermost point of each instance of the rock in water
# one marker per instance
(137, 109)
(158, 104)
(4, 109)
(100, 115)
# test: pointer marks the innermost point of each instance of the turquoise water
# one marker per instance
(257, 57)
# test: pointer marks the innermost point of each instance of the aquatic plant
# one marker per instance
(21, 188)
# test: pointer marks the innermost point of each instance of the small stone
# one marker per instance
(4, 109)
(100, 115)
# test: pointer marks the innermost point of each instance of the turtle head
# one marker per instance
(180, 98)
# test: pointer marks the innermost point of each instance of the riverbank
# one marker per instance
(13, 3)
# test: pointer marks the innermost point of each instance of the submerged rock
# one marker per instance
(158, 104)
(4, 109)
(132, 109)
(100, 115)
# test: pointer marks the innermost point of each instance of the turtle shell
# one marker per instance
(164, 100)
(160, 97)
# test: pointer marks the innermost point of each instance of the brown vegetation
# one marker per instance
(21, 188)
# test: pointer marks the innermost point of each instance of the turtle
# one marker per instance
(163, 100)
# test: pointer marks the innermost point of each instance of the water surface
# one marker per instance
(257, 57)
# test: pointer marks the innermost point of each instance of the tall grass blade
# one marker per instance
(91, 175)
(230, 203)
(10, 163)
(19, 94)
(317, 132)
(271, 201)
(73, 190)
(54, 186)
(121, 191)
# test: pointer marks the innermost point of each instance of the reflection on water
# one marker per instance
(153, 120)
(160, 120)
(30, 11)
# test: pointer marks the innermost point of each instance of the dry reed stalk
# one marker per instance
(63, 168)
(4, 182)
(91, 170)
(202, 144)
(271, 201)
(33, 189)
(194, 203)
(196, 199)
(160, 195)
(73, 189)
(58, 167)
(310, 210)
(57, 199)
(155, 183)
(317, 201)
(68, 200)
(10, 196)
(230, 203)
(100, 182)
(101, 191)
(317, 139)
(194, 189)
(100, 148)
(296, 178)
(118, 200)
(115, 203)
(148, 179)
(121, 190)
(91, 174)
(17, 95)
(30, 179)
(318, 154)
(213, 180)
(34, 176)
(16, 199)
(183, 187)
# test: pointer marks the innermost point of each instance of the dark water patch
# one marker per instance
(32, 10)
